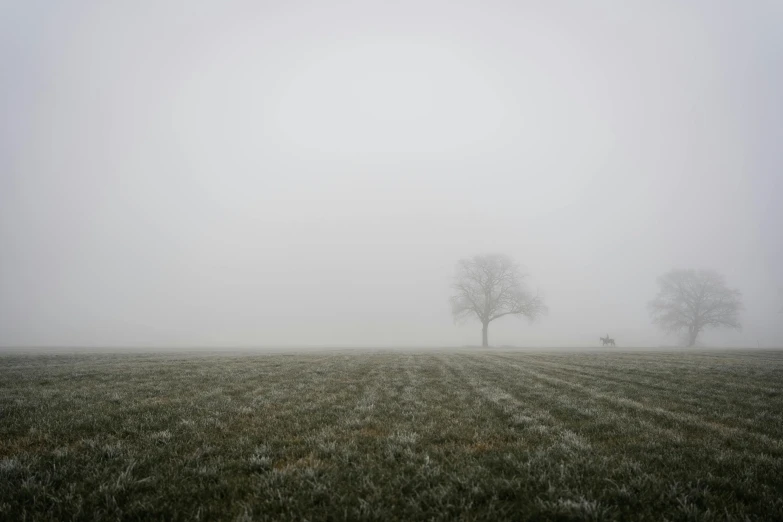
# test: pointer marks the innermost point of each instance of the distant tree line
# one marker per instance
(489, 287)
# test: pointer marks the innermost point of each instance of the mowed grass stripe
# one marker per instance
(654, 408)
(680, 362)
(684, 363)
(623, 469)
(580, 413)
(720, 391)
(758, 412)
(653, 405)
(617, 431)
(768, 377)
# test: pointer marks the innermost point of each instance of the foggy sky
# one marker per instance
(289, 173)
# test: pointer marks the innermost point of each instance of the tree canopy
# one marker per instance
(489, 287)
(691, 300)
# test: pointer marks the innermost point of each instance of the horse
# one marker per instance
(607, 340)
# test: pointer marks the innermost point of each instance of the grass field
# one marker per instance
(442, 436)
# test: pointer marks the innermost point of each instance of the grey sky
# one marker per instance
(259, 173)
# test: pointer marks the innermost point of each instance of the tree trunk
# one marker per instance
(693, 332)
(484, 338)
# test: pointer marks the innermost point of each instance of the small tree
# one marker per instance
(489, 287)
(690, 301)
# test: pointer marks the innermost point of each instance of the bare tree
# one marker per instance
(692, 300)
(489, 287)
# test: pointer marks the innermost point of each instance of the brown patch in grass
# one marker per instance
(32, 445)
(310, 461)
(490, 443)
(372, 432)
(481, 447)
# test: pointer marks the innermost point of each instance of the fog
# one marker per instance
(286, 174)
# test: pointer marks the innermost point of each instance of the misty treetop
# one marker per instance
(691, 300)
(489, 287)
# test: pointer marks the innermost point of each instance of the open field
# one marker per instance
(436, 435)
